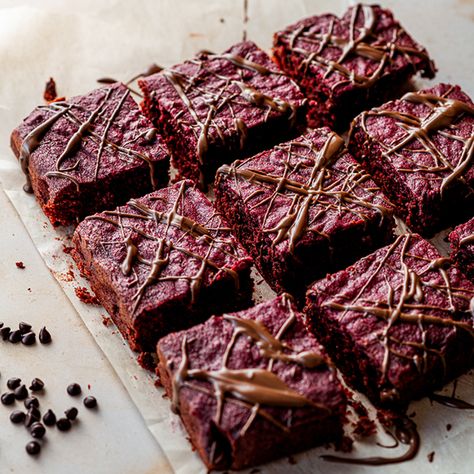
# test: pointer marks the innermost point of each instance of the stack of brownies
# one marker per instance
(314, 214)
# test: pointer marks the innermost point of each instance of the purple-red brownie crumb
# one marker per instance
(85, 295)
(20, 265)
(462, 246)
(252, 386)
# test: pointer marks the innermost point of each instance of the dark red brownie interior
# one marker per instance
(252, 386)
(462, 245)
(89, 153)
(304, 208)
(420, 150)
(162, 263)
(219, 107)
(397, 322)
(345, 65)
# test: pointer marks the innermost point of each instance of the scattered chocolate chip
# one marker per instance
(15, 336)
(63, 424)
(36, 385)
(32, 416)
(31, 402)
(74, 389)
(449, 426)
(28, 339)
(71, 413)
(50, 93)
(24, 327)
(8, 398)
(37, 430)
(44, 336)
(1, 324)
(21, 392)
(33, 447)
(17, 416)
(90, 402)
(13, 383)
(5, 332)
(49, 418)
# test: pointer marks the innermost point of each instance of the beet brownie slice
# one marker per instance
(345, 65)
(162, 263)
(397, 322)
(252, 386)
(303, 208)
(420, 150)
(216, 108)
(462, 245)
(89, 153)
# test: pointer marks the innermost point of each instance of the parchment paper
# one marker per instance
(77, 43)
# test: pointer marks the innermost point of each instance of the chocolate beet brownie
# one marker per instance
(397, 322)
(89, 153)
(220, 107)
(420, 150)
(303, 208)
(345, 65)
(462, 245)
(162, 263)
(252, 386)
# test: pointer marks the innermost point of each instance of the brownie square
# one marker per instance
(303, 208)
(89, 153)
(397, 322)
(252, 386)
(216, 108)
(462, 245)
(345, 65)
(419, 149)
(162, 263)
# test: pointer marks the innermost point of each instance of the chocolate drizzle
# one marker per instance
(217, 241)
(325, 189)
(444, 113)
(85, 130)
(362, 41)
(255, 388)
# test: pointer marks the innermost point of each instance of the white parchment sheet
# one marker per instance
(78, 42)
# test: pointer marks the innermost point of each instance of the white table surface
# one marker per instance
(114, 439)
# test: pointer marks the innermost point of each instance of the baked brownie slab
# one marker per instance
(89, 153)
(219, 107)
(162, 263)
(420, 150)
(345, 65)
(462, 245)
(252, 386)
(397, 322)
(303, 208)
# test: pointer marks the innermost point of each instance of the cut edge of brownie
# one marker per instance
(461, 241)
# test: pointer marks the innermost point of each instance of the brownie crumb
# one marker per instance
(20, 265)
(85, 295)
(431, 456)
(146, 360)
(449, 426)
(50, 94)
(106, 321)
(67, 249)
(292, 460)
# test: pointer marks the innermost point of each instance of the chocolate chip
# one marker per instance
(63, 424)
(44, 336)
(17, 416)
(33, 447)
(90, 402)
(8, 398)
(37, 430)
(13, 383)
(5, 332)
(15, 336)
(21, 392)
(32, 416)
(49, 418)
(74, 389)
(1, 324)
(71, 413)
(31, 402)
(36, 385)
(28, 339)
(24, 327)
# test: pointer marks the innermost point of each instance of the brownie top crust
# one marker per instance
(217, 97)
(356, 50)
(166, 246)
(304, 189)
(86, 139)
(404, 305)
(427, 136)
(463, 235)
